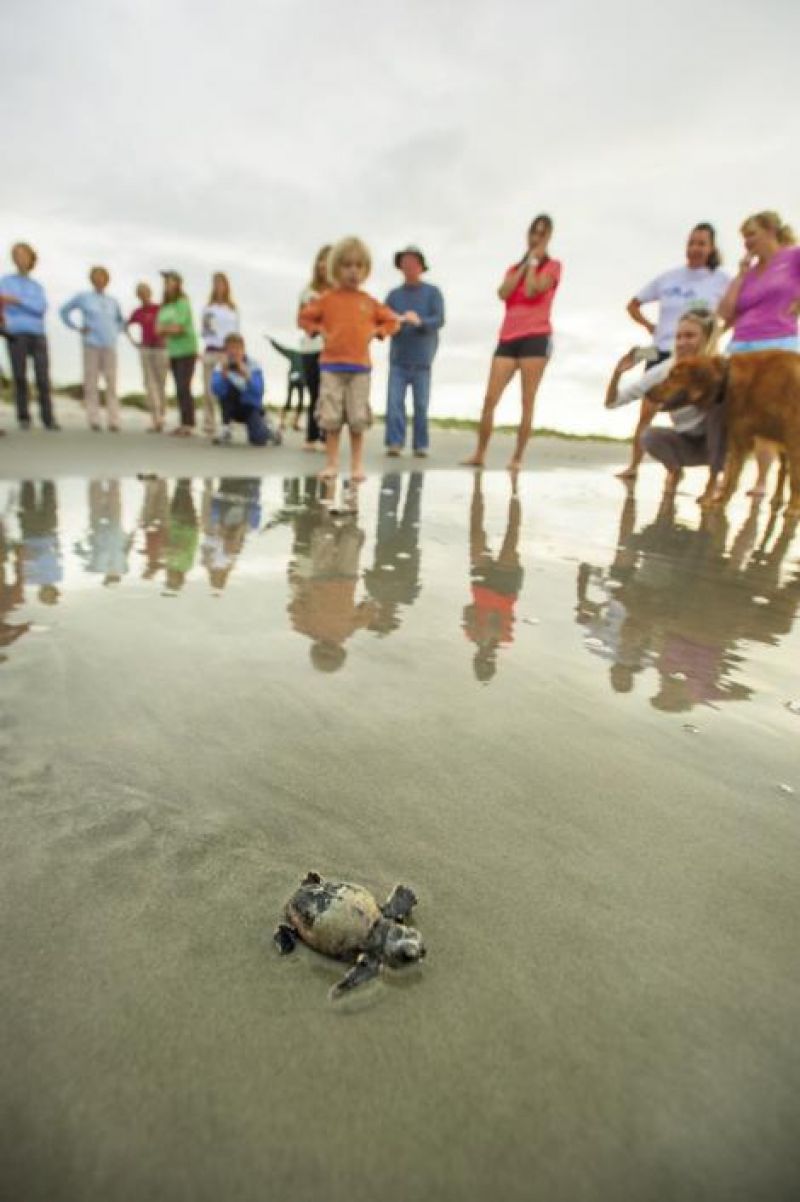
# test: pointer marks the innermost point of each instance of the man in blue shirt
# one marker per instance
(238, 384)
(22, 309)
(421, 309)
(100, 326)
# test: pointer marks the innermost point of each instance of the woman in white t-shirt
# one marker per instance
(220, 318)
(675, 291)
(696, 436)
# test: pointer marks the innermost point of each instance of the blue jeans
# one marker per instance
(400, 377)
(258, 430)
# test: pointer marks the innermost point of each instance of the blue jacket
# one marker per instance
(249, 392)
(27, 316)
(416, 346)
(102, 320)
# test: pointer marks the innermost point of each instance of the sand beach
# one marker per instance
(568, 718)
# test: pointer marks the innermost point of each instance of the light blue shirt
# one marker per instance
(102, 318)
(27, 317)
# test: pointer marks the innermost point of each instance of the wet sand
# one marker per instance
(79, 452)
(602, 835)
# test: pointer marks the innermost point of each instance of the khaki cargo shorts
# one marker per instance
(344, 397)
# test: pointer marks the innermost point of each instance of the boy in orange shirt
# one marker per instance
(348, 320)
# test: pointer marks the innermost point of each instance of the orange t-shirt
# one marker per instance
(348, 319)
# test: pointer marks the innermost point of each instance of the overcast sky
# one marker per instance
(155, 133)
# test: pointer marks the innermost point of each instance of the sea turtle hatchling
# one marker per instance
(345, 921)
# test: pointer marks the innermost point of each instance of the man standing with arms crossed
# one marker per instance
(420, 307)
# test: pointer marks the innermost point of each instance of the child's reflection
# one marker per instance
(496, 584)
(323, 579)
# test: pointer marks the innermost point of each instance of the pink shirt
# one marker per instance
(762, 307)
(145, 318)
(529, 315)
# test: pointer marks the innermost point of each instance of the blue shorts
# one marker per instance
(791, 343)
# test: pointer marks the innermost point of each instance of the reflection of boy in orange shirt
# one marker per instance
(348, 320)
(323, 604)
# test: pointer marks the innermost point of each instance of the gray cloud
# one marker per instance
(145, 133)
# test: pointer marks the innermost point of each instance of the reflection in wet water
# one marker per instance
(685, 600)
(230, 513)
(393, 579)
(496, 582)
(675, 613)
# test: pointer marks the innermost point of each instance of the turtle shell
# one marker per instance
(333, 917)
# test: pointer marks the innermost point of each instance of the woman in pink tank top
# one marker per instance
(762, 304)
(528, 290)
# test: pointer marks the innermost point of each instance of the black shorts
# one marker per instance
(535, 346)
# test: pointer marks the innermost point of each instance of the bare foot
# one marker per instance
(513, 465)
(629, 473)
(473, 461)
(329, 472)
(309, 446)
(357, 476)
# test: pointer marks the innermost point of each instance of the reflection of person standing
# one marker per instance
(219, 319)
(496, 584)
(311, 345)
(152, 355)
(176, 324)
(109, 544)
(528, 290)
(393, 580)
(41, 553)
(22, 308)
(182, 536)
(421, 307)
(674, 292)
(762, 303)
(101, 324)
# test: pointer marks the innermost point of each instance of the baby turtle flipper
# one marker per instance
(284, 939)
(400, 903)
(365, 968)
(311, 878)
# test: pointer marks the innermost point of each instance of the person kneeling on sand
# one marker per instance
(238, 385)
(696, 437)
(348, 320)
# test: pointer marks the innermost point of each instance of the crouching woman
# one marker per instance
(238, 385)
(697, 436)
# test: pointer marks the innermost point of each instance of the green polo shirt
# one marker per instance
(178, 313)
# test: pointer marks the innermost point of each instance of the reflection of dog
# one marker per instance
(761, 392)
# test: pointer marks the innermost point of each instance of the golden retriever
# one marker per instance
(761, 394)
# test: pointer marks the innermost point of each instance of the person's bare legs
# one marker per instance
(647, 412)
(531, 371)
(357, 457)
(674, 476)
(765, 457)
(500, 373)
(331, 468)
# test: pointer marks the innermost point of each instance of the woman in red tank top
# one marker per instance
(528, 290)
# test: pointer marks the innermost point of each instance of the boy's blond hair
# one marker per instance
(344, 248)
